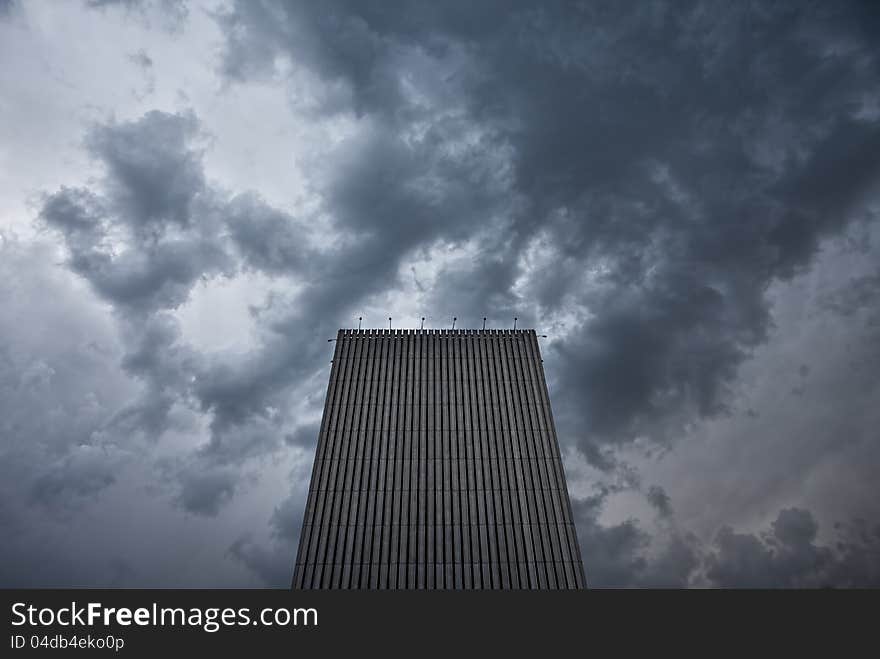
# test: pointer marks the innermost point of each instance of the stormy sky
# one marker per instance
(683, 196)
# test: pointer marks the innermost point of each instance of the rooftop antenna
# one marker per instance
(389, 323)
(514, 322)
(453, 322)
(484, 324)
(360, 318)
(423, 323)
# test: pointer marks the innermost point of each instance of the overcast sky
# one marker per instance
(683, 196)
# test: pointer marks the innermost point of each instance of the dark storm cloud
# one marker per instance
(205, 490)
(304, 435)
(142, 59)
(266, 237)
(658, 498)
(142, 243)
(152, 187)
(153, 173)
(82, 473)
(615, 552)
(58, 385)
(626, 555)
(787, 555)
(272, 563)
(860, 293)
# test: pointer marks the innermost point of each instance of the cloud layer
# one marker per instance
(682, 196)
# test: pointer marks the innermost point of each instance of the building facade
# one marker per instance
(438, 467)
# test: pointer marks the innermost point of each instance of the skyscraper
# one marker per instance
(437, 467)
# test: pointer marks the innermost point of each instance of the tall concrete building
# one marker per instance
(437, 467)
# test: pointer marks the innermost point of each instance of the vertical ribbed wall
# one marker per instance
(437, 467)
